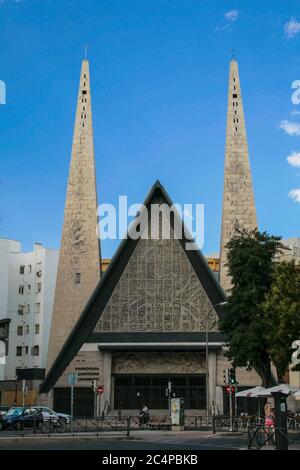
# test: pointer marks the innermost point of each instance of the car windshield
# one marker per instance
(14, 412)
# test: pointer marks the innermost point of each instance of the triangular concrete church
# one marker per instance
(152, 319)
(145, 323)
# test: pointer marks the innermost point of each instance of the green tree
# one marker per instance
(250, 263)
(282, 311)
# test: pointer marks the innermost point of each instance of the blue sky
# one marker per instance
(159, 74)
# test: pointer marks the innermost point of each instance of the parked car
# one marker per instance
(49, 414)
(22, 417)
(3, 411)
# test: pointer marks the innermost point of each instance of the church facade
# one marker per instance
(151, 323)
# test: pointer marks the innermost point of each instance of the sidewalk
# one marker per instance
(115, 435)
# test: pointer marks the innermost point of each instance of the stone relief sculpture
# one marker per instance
(158, 291)
(158, 362)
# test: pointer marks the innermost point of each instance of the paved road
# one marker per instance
(154, 440)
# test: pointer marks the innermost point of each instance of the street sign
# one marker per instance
(72, 379)
(230, 389)
(100, 389)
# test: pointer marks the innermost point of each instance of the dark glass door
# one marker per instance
(133, 391)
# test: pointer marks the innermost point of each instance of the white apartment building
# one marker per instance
(27, 286)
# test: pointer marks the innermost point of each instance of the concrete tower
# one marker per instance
(238, 197)
(79, 259)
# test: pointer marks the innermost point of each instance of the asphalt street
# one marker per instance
(137, 441)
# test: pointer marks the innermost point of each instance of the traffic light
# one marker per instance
(230, 389)
(232, 376)
(226, 376)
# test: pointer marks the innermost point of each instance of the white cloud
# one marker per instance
(294, 159)
(295, 113)
(232, 15)
(292, 27)
(295, 195)
(291, 128)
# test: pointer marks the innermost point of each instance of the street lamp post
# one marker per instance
(220, 304)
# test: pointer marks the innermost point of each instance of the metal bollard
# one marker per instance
(128, 426)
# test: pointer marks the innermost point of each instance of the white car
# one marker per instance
(49, 414)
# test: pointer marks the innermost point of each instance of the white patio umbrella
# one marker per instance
(286, 389)
(250, 392)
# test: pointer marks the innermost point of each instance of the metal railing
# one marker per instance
(124, 424)
(260, 435)
(226, 423)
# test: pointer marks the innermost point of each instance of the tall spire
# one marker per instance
(79, 259)
(238, 197)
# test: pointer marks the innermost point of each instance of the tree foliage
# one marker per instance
(250, 263)
(282, 312)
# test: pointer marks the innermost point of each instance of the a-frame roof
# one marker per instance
(87, 321)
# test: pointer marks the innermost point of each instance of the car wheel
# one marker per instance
(19, 426)
(1, 426)
(61, 425)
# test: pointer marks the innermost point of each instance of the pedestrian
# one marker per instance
(269, 421)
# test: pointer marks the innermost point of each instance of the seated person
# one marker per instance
(144, 415)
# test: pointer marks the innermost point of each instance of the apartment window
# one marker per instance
(21, 290)
(22, 269)
(28, 287)
(84, 92)
(27, 308)
(77, 278)
(36, 329)
(19, 350)
(20, 330)
(38, 287)
(27, 329)
(20, 309)
(35, 351)
(38, 307)
(39, 273)
(26, 349)
(29, 268)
